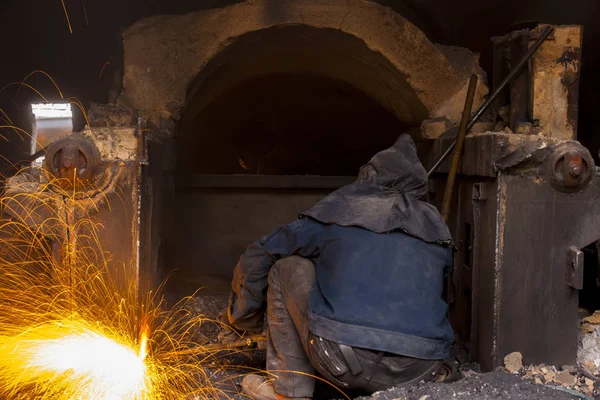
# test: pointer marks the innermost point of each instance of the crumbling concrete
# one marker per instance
(114, 143)
(555, 84)
(433, 128)
(357, 41)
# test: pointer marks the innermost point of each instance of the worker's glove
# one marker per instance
(228, 333)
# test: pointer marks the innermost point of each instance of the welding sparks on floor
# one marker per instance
(68, 332)
(74, 361)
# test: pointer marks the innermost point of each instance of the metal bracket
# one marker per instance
(480, 191)
(575, 268)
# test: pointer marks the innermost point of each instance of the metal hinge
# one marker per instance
(575, 268)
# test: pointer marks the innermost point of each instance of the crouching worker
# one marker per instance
(353, 289)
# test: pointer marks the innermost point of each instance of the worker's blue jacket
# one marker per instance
(380, 255)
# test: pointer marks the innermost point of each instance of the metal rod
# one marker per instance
(460, 139)
(483, 108)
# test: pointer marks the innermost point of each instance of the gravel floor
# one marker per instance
(493, 385)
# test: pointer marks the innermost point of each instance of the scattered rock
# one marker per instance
(593, 319)
(513, 362)
(589, 383)
(572, 369)
(565, 378)
(529, 374)
(468, 373)
(549, 376)
(587, 328)
(590, 366)
(570, 379)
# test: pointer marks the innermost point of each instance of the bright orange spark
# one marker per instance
(81, 363)
(85, 12)
(67, 16)
(77, 102)
(44, 73)
(6, 117)
(143, 352)
(106, 64)
(16, 128)
(26, 85)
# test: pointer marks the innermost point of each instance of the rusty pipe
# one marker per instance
(483, 108)
(460, 139)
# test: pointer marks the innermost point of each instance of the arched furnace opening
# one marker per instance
(273, 105)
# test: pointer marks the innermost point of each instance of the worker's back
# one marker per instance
(380, 291)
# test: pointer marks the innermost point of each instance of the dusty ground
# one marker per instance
(209, 306)
(494, 385)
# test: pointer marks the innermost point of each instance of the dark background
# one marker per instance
(36, 36)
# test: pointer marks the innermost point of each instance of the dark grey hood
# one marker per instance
(387, 196)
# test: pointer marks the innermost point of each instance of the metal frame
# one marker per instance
(265, 181)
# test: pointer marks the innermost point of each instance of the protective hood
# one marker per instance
(387, 197)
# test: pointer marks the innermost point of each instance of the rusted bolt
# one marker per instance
(575, 168)
(571, 169)
(70, 158)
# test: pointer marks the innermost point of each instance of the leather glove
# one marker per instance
(228, 333)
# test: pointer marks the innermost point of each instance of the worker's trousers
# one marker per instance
(290, 281)
(293, 352)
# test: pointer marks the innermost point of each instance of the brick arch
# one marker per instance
(171, 60)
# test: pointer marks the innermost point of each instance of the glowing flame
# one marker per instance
(76, 362)
(82, 363)
(143, 352)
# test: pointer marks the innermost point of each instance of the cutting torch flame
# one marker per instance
(77, 362)
(143, 345)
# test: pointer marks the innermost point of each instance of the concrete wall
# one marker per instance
(170, 59)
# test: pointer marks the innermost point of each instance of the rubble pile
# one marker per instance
(573, 379)
(588, 352)
(567, 377)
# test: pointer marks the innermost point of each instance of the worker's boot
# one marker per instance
(448, 372)
(261, 388)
